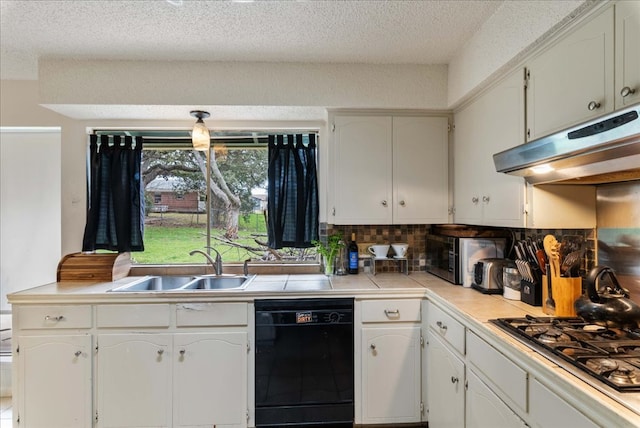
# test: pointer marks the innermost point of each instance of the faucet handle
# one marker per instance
(246, 267)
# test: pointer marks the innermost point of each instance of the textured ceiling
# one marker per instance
(408, 32)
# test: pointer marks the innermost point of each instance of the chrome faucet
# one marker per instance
(217, 263)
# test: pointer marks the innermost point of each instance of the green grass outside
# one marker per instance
(169, 237)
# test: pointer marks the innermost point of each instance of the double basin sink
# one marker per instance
(186, 283)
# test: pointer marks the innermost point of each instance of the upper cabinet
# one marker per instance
(389, 169)
(627, 73)
(492, 123)
(593, 70)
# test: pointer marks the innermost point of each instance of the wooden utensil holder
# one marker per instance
(565, 292)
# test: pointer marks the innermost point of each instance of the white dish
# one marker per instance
(398, 257)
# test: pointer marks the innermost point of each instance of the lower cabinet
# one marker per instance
(179, 380)
(391, 374)
(445, 385)
(390, 365)
(133, 382)
(484, 408)
(210, 379)
(548, 410)
(54, 387)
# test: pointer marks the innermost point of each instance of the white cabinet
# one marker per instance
(548, 410)
(485, 409)
(627, 51)
(210, 379)
(389, 170)
(445, 385)
(572, 81)
(54, 381)
(133, 382)
(390, 362)
(492, 123)
(593, 70)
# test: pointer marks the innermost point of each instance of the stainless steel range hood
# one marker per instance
(603, 150)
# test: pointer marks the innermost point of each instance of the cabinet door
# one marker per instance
(420, 170)
(445, 385)
(627, 52)
(55, 381)
(492, 123)
(133, 386)
(391, 375)
(210, 379)
(467, 173)
(485, 409)
(546, 409)
(502, 195)
(567, 77)
(363, 170)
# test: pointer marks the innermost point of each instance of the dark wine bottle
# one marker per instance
(352, 254)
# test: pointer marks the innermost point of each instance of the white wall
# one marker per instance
(30, 214)
(90, 82)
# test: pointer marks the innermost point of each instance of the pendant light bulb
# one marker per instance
(200, 137)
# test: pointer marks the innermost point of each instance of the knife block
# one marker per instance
(565, 291)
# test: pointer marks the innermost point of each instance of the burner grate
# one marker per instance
(610, 355)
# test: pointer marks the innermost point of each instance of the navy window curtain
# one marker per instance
(115, 214)
(292, 209)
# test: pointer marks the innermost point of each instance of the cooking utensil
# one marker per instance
(542, 261)
(549, 303)
(570, 263)
(610, 305)
(551, 247)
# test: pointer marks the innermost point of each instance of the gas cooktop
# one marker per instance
(609, 355)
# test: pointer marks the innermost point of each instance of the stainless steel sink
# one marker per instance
(186, 283)
(219, 282)
(156, 283)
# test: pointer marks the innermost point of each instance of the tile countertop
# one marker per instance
(470, 306)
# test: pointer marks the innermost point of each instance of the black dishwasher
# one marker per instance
(304, 362)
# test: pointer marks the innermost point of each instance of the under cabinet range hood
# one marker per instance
(603, 150)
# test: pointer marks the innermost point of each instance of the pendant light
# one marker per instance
(200, 137)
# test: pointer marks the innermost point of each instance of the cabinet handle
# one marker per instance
(486, 199)
(475, 199)
(402, 204)
(373, 346)
(160, 351)
(384, 203)
(626, 91)
(56, 319)
(441, 325)
(77, 353)
(593, 105)
(389, 313)
(454, 379)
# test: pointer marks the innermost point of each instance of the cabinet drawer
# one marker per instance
(510, 379)
(446, 327)
(50, 317)
(394, 310)
(211, 314)
(144, 315)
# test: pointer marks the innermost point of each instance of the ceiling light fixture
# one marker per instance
(200, 137)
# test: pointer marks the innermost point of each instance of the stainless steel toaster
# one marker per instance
(487, 276)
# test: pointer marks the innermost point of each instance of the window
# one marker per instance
(173, 178)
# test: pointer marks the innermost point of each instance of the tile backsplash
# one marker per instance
(414, 235)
